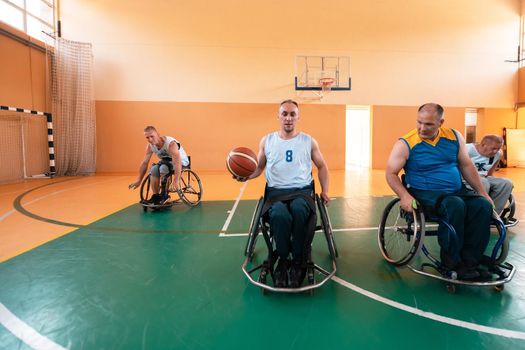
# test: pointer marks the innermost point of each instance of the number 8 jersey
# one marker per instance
(288, 162)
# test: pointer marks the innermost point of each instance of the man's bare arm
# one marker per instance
(322, 168)
(396, 161)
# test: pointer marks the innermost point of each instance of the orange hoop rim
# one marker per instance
(325, 82)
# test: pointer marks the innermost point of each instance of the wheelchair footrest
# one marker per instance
(266, 269)
(504, 274)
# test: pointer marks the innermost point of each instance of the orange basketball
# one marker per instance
(241, 162)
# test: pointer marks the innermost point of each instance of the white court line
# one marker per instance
(232, 210)
(25, 333)
(430, 315)
(19, 328)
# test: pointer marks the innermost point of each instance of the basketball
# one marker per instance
(241, 162)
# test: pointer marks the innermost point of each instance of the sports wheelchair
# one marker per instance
(260, 224)
(190, 188)
(401, 235)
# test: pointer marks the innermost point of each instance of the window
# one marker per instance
(30, 16)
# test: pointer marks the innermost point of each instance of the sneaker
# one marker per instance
(297, 274)
(153, 200)
(280, 274)
(466, 272)
(164, 200)
(484, 275)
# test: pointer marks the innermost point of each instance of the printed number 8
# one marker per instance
(289, 155)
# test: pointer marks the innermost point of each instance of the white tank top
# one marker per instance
(482, 163)
(164, 152)
(288, 162)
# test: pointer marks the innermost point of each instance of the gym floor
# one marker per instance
(84, 267)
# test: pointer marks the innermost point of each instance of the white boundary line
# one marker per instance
(430, 315)
(16, 326)
(25, 333)
(232, 211)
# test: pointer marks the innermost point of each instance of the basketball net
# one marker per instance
(326, 85)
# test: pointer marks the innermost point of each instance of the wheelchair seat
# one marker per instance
(260, 226)
(401, 237)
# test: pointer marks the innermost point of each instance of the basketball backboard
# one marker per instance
(322, 73)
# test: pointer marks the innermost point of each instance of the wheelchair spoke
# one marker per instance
(399, 234)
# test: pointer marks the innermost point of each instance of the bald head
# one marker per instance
(432, 109)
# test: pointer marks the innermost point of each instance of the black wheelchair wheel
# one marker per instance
(511, 205)
(254, 229)
(400, 233)
(190, 187)
(145, 192)
(500, 254)
(327, 227)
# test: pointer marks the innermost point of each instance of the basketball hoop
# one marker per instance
(326, 84)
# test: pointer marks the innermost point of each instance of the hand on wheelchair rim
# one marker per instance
(325, 198)
(134, 185)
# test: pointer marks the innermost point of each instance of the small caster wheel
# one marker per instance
(145, 209)
(451, 288)
(499, 287)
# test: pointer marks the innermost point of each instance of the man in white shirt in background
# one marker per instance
(486, 155)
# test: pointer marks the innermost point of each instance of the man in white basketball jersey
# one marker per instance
(167, 148)
(286, 157)
(486, 156)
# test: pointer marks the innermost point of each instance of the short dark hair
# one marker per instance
(492, 138)
(289, 101)
(150, 128)
(432, 107)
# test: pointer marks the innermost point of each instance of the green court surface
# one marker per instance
(167, 280)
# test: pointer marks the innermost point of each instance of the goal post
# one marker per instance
(27, 144)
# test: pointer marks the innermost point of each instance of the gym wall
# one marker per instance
(216, 81)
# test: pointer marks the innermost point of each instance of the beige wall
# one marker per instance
(402, 53)
(392, 122)
(493, 120)
(215, 81)
(208, 131)
(22, 73)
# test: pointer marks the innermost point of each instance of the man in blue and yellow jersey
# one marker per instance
(434, 158)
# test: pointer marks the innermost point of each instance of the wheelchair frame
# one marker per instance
(260, 225)
(412, 227)
(188, 179)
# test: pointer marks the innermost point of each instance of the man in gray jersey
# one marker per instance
(165, 147)
(286, 157)
(486, 155)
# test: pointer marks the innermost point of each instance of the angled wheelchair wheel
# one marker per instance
(145, 191)
(327, 227)
(510, 208)
(254, 229)
(190, 187)
(400, 233)
(501, 249)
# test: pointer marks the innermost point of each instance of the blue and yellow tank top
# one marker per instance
(432, 165)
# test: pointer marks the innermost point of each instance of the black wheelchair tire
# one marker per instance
(189, 178)
(145, 189)
(327, 228)
(512, 206)
(254, 229)
(414, 241)
(502, 254)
